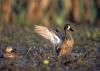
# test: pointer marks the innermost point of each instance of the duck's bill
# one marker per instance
(71, 29)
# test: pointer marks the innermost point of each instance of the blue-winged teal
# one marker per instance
(62, 42)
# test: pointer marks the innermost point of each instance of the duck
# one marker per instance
(62, 41)
(10, 53)
(68, 42)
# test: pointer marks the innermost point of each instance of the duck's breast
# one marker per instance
(66, 48)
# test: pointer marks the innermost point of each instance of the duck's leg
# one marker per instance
(58, 51)
(54, 51)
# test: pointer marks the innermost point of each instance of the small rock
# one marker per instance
(34, 53)
(46, 62)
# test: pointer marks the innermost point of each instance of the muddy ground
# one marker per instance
(31, 51)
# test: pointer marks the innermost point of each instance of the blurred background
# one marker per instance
(17, 20)
(50, 12)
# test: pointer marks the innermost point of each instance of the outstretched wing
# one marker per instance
(47, 34)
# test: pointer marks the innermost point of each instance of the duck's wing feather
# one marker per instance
(47, 34)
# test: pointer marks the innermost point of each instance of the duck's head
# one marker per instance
(67, 27)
